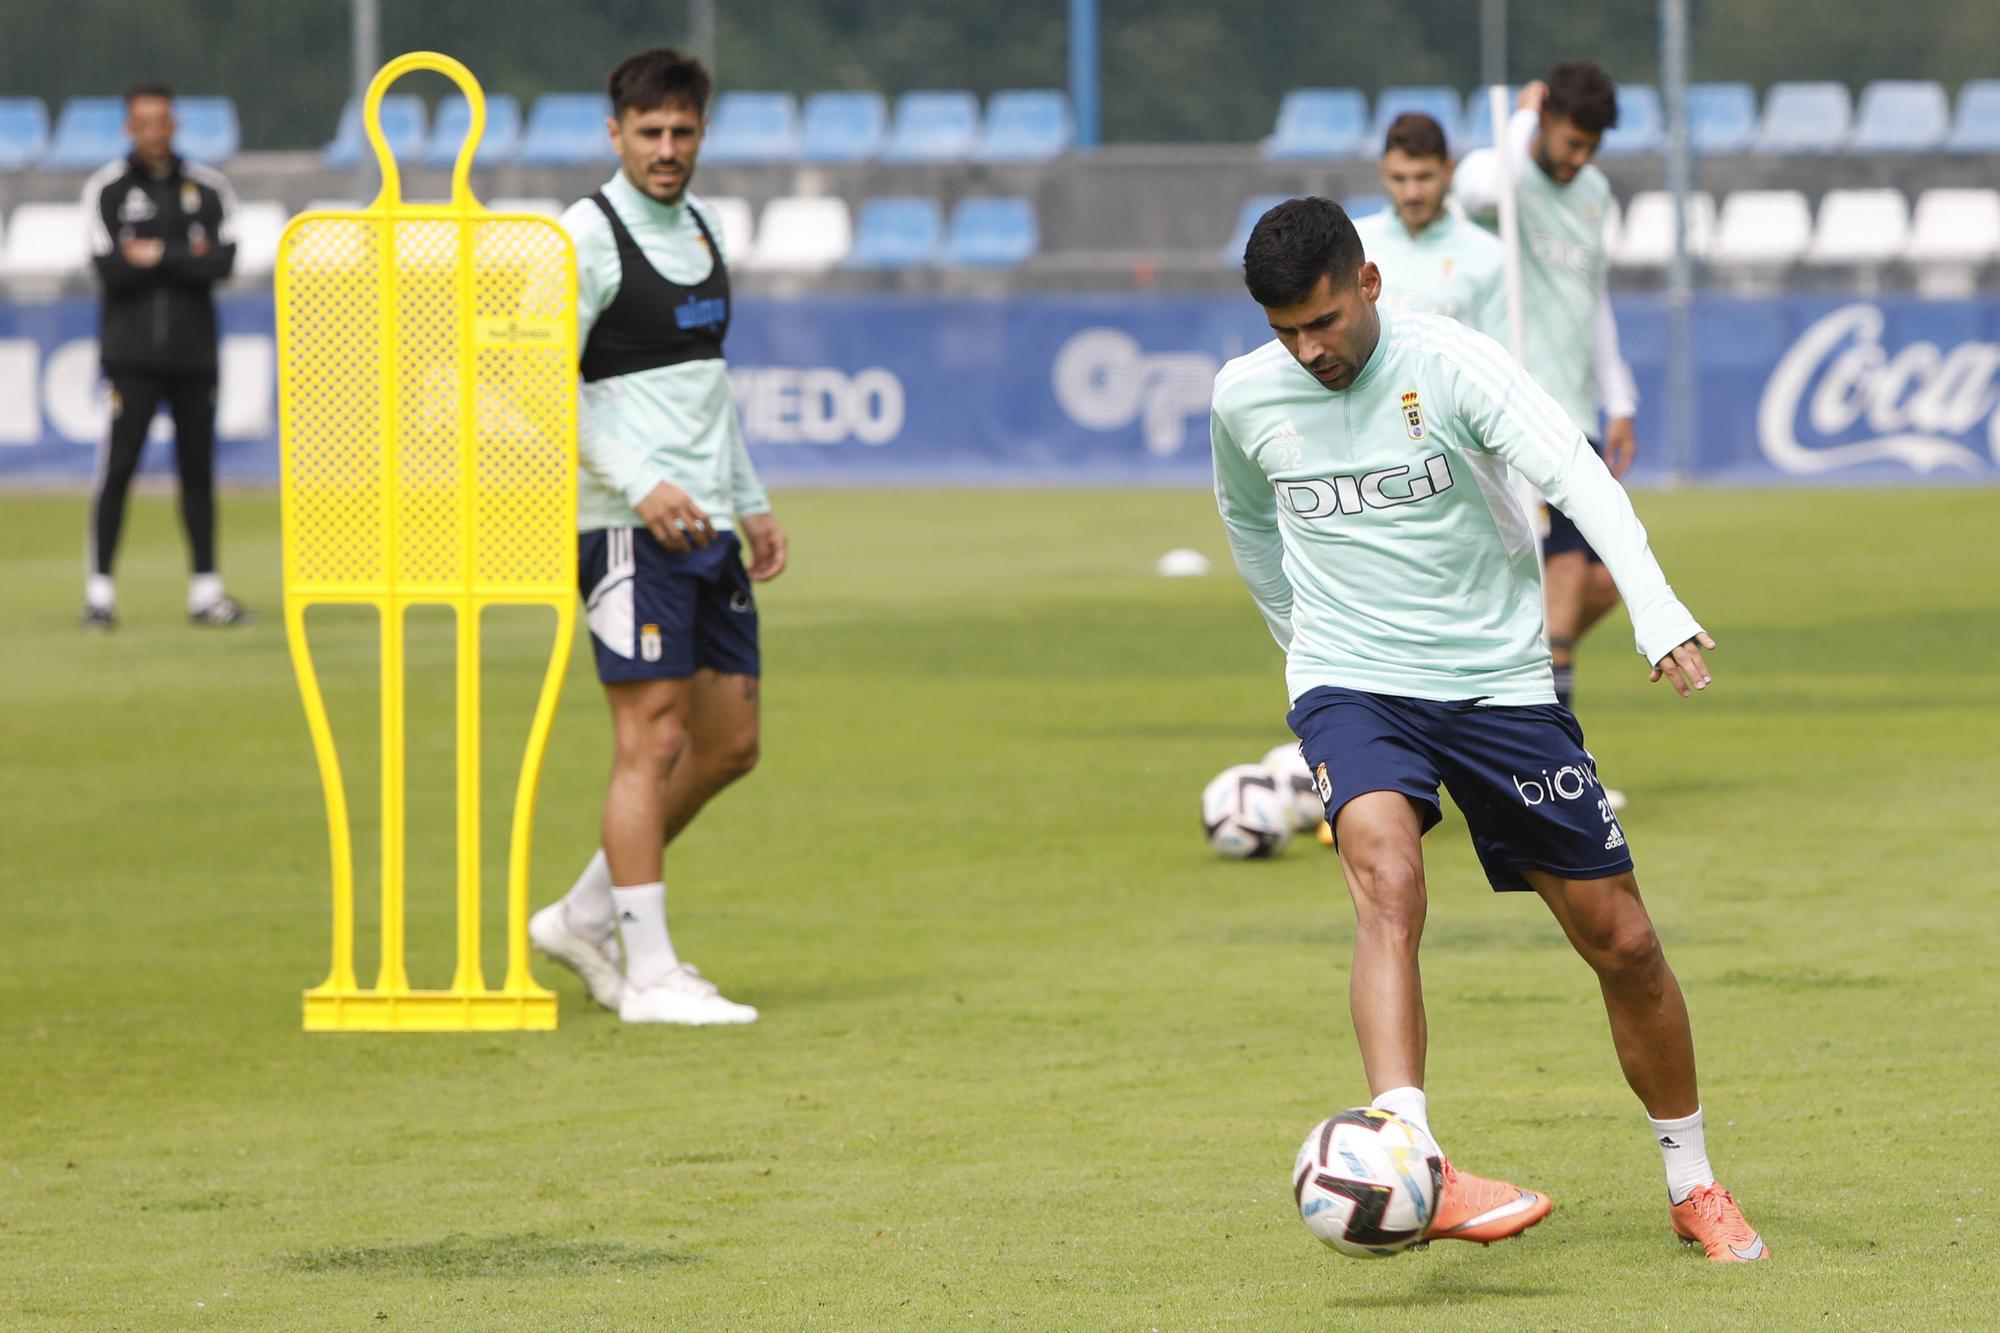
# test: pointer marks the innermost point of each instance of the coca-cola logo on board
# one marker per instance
(1838, 398)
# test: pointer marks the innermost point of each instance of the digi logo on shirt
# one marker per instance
(1383, 489)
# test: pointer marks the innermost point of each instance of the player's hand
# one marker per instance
(672, 515)
(1531, 96)
(143, 252)
(769, 546)
(1621, 445)
(1684, 666)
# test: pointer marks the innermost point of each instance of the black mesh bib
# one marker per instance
(653, 322)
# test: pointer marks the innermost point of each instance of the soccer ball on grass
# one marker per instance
(1246, 813)
(1289, 767)
(1367, 1183)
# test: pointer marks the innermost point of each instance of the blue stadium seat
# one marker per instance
(1477, 128)
(1901, 116)
(991, 233)
(1801, 118)
(90, 131)
(1441, 104)
(1977, 128)
(498, 144)
(843, 127)
(208, 130)
(933, 127)
(402, 125)
(752, 127)
(1722, 118)
(565, 129)
(897, 233)
(1364, 205)
(1256, 206)
(1642, 125)
(1320, 122)
(1025, 125)
(24, 132)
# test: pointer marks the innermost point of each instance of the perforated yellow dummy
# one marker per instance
(427, 390)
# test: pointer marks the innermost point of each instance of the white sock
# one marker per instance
(1411, 1105)
(642, 925)
(100, 592)
(587, 907)
(204, 591)
(1685, 1149)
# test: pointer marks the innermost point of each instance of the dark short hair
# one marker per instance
(1296, 242)
(657, 78)
(148, 89)
(1583, 95)
(1416, 134)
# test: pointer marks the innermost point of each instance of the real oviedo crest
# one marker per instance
(1413, 416)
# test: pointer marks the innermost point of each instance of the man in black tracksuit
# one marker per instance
(161, 237)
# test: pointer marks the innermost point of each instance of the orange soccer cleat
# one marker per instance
(1474, 1208)
(1711, 1217)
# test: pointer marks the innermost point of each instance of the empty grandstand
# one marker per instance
(1805, 183)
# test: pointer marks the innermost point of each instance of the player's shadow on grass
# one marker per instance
(1447, 1288)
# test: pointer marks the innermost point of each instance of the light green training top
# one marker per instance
(1380, 533)
(1563, 264)
(1451, 268)
(675, 424)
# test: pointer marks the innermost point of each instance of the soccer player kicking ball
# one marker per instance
(666, 488)
(1361, 469)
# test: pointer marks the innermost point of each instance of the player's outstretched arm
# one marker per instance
(1511, 416)
(1685, 666)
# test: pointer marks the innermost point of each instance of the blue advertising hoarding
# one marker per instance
(1113, 389)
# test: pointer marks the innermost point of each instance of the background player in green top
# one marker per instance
(666, 504)
(1431, 259)
(1361, 469)
(1571, 338)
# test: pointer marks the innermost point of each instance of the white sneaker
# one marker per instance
(682, 996)
(1615, 799)
(597, 964)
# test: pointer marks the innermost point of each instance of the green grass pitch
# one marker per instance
(1031, 1058)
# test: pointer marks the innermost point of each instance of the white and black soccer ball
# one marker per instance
(1288, 765)
(1367, 1182)
(1246, 813)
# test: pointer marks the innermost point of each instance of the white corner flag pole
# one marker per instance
(1517, 319)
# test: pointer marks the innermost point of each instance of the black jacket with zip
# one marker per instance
(160, 318)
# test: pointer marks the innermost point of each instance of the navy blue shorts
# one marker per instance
(1528, 788)
(657, 614)
(1563, 536)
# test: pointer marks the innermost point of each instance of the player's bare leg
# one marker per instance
(722, 736)
(581, 929)
(649, 729)
(1600, 594)
(676, 743)
(1565, 591)
(1381, 854)
(1607, 922)
(1578, 593)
